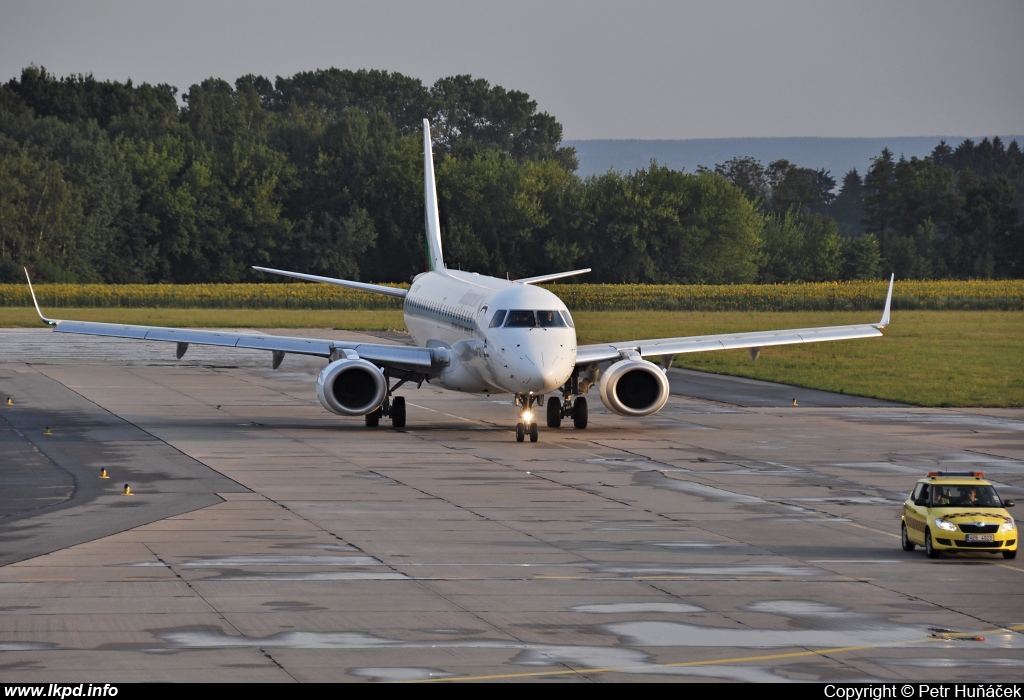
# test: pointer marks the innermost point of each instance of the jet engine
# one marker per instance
(351, 387)
(633, 388)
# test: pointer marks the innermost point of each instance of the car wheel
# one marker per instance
(929, 550)
(908, 546)
(1010, 554)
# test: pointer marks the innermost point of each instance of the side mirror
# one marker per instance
(1008, 504)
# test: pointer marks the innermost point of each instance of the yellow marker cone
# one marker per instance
(47, 431)
(10, 401)
(128, 490)
(103, 474)
(794, 402)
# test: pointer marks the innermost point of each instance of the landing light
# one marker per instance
(527, 416)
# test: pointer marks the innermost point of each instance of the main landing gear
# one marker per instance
(567, 406)
(393, 407)
(559, 409)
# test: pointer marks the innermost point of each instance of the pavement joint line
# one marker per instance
(450, 415)
(712, 662)
(875, 530)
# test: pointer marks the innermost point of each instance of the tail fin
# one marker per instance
(435, 261)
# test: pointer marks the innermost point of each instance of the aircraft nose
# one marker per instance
(541, 370)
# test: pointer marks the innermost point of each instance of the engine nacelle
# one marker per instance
(633, 388)
(351, 387)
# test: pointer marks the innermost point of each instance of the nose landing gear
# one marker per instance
(526, 425)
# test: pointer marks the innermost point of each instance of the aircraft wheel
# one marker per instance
(373, 418)
(520, 432)
(908, 546)
(554, 412)
(1010, 554)
(579, 413)
(929, 550)
(533, 432)
(398, 412)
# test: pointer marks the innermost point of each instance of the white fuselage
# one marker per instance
(530, 349)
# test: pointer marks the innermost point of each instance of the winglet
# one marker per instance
(36, 301)
(888, 303)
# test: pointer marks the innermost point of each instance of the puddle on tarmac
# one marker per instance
(658, 479)
(611, 608)
(854, 561)
(26, 646)
(546, 655)
(321, 576)
(635, 661)
(769, 571)
(320, 547)
(936, 418)
(796, 608)
(631, 527)
(398, 674)
(884, 466)
(273, 560)
(374, 476)
(677, 634)
(640, 462)
(856, 500)
(809, 519)
(948, 662)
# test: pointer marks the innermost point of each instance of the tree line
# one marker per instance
(322, 172)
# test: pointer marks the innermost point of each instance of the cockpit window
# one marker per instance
(535, 319)
(568, 319)
(520, 319)
(550, 319)
(498, 318)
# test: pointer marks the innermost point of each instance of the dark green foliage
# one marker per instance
(322, 172)
(957, 213)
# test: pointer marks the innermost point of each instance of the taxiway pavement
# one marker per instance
(730, 537)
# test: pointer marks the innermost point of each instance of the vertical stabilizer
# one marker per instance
(435, 261)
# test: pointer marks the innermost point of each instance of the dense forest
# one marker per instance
(322, 172)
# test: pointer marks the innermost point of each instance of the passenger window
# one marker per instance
(920, 495)
(521, 319)
(499, 318)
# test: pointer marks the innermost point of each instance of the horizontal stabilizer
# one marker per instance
(362, 286)
(553, 276)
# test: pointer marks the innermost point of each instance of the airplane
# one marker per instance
(480, 334)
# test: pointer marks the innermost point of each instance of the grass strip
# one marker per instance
(929, 358)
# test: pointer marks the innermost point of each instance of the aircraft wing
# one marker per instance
(400, 357)
(604, 352)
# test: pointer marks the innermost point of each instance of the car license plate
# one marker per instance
(981, 538)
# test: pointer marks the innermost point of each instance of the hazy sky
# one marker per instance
(646, 69)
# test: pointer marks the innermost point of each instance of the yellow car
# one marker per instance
(958, 512)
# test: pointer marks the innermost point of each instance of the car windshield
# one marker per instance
(966, 495)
